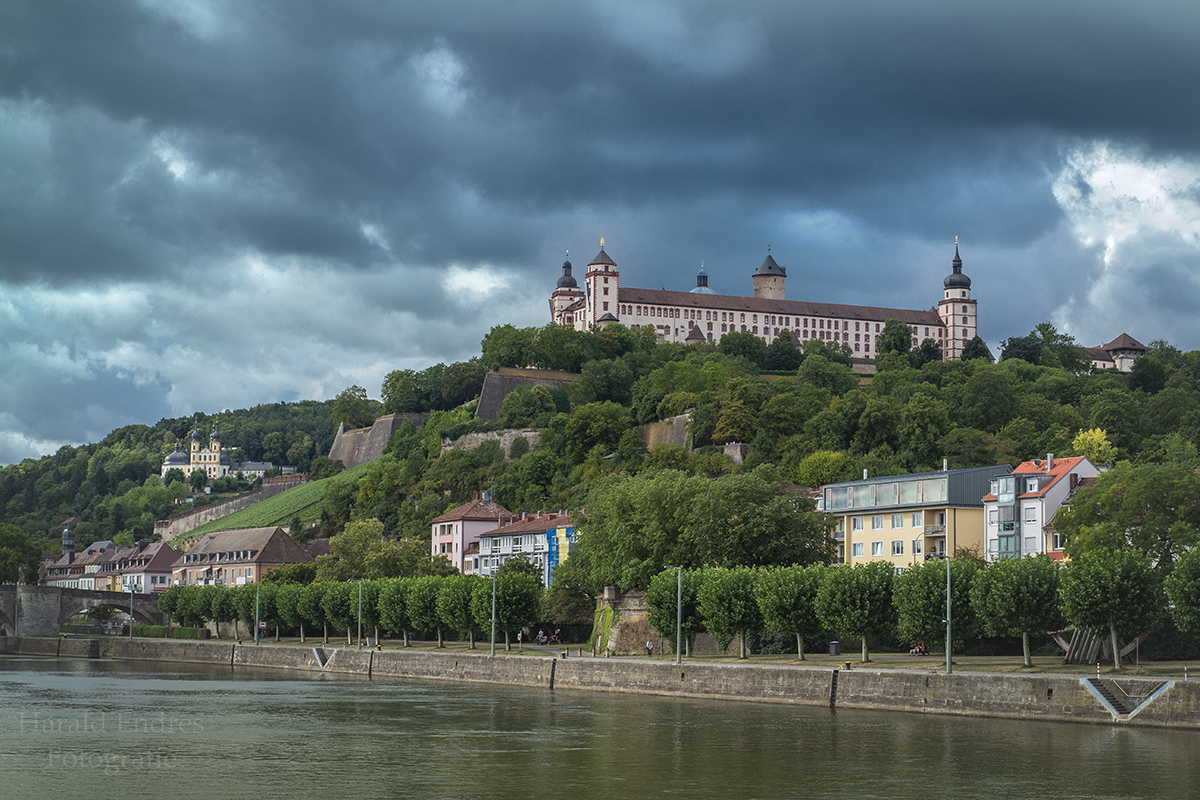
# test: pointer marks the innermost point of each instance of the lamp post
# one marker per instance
(131, 611)
(360, 613)
(678, 614)
(493, 612)
(949, 665)
(257, 590)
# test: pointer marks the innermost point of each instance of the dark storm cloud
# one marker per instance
(381, 183)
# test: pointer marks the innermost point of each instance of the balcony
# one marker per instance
(935, 530)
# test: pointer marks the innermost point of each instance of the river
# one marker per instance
(108, 729)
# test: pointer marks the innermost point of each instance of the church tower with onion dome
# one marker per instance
(957, 310)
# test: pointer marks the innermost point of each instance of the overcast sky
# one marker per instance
(209, 205)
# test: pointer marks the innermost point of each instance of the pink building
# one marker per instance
(455, 531)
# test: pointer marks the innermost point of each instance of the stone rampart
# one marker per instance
(175, 526)
(506, 437)
(673, 430)
(357, 446)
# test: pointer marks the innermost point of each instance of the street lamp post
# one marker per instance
(678, 614)
(949, 665)
(360, 613)
(257, 590)
(493, 612)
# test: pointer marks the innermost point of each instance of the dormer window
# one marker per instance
(1032, 485)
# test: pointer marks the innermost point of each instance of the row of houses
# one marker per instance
(225, 558)
(998, 512)
(479, 536)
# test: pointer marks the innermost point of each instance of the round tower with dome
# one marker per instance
(566, 303)
(957, 310)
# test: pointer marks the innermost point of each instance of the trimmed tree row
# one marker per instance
(400, 606)
(1117, 594)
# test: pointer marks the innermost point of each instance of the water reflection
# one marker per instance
(130, 729)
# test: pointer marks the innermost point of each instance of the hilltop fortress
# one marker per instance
(701, 314)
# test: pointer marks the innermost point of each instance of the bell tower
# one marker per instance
(957, 310)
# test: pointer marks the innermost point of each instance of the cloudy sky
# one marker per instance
(208, 205)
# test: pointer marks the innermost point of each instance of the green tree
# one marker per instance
(399, 392)
(506, 346)
(19, 555)
(596, 425)
(782, 354)
(787, 600)
(519, 565)
(311, 607)
(340, 604)
(745, 345)
(1113, 591)
(421, 605)
(822, 467)
(858, 601)
(518, 604)
(989, 400)
(1018, 597)
(287, 605)
(221, 607)
(1095, 447)
(976, 348)
(819, 371)
(522, 406)
(919, 597)
(1152, 508)
(393, 606)
(198, 479)
(454, 604)
(607, 380)
(727, 604)
(895, 338)
(353, 408)
(664, 611)
(1183, 590)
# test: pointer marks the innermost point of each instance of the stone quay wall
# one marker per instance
(1174, 703)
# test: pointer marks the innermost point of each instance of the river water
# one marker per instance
(107, 729)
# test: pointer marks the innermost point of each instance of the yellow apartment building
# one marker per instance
(905, 519)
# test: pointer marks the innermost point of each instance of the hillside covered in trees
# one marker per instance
(806, 416)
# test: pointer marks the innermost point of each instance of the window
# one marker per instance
(993, 516)
(856, 523)
(1031, 485)
(1058, 542)
(1030, 544)
(856, 549)
(877, 522)
(916, 547)
(1031, 514)
(876, 548)
(897, 521)
(898, 547)
(916, 519)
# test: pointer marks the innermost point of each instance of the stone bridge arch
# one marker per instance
(42, 610)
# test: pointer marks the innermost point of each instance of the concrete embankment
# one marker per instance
(1071, 698)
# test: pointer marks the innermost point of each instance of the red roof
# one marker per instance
(1029, 469)
(477, 509)
(532, 523)
(801, 308)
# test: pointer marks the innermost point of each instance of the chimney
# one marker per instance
(1049, 461)
(945, 465)
(864, 474)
